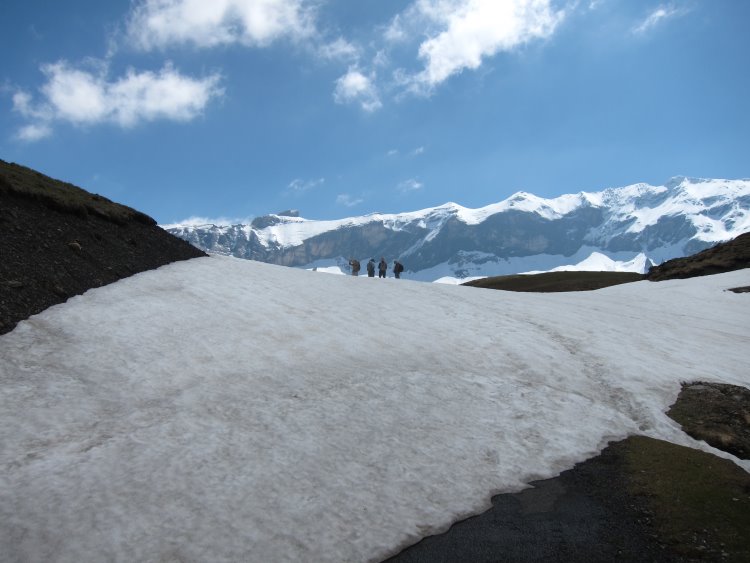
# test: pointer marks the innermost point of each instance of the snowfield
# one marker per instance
(226, 410)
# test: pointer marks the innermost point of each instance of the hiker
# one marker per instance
(354, 263)
(371, 268)
(398, 267)
(382, 267)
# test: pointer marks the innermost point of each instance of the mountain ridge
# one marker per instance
(521, 233)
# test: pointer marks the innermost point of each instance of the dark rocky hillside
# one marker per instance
(724, 257)
(59, 241)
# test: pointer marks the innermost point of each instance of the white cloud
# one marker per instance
(380, 59)
(300, 186)
(340, 49)
(355, 87)
(82, 97)
(412, 153)
(657, 17)
(410, 185)
(396, 31)
(209, 23)
(348, 201)
(462, 33)
(34, 132)
(77, 96)
(23, 103)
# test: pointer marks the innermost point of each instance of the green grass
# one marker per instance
(556, 281)
(700, 503)
(62, 196)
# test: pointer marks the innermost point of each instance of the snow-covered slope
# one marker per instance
(522, 233)
(227, 410)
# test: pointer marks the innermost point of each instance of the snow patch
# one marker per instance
(221, 409)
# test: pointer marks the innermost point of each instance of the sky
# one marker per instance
(175, 415)
(238, 108)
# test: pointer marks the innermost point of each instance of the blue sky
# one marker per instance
(237, 108)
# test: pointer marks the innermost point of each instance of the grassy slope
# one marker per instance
(724, 257)
(62, 196)
(556, 281)
(699, 503)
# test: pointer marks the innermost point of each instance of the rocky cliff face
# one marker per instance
(521, 233)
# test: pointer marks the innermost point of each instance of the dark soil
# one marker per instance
(640, 500)
(717, 414)
(59, 241)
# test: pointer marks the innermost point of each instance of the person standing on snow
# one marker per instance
(354, 263)
(371, 268)
(398, 267)
(382, 267)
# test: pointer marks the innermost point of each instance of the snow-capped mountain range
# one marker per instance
(624, 229)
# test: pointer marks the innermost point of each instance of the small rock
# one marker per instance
(74, 245)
